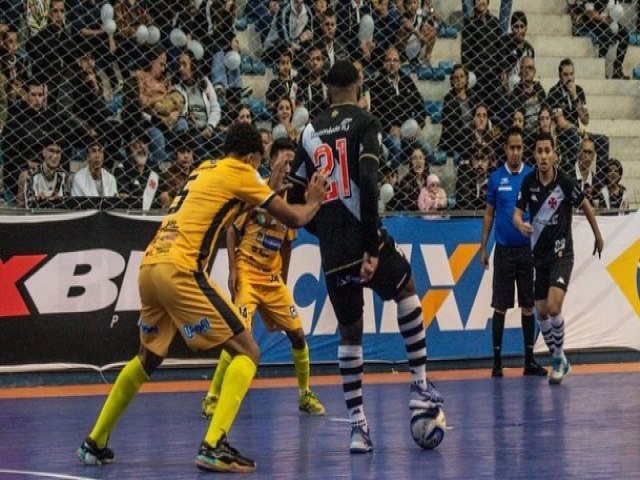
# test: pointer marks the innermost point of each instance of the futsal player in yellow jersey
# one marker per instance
(259, 248)
(177, 295)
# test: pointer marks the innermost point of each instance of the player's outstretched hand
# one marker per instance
(598, 246)
(369, 267)
(318, 187)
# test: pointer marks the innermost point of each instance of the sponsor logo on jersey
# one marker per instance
(199, 328)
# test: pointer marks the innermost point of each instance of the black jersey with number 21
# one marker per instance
(551, 209)
(333, 144)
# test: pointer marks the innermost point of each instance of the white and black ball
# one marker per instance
(428, 427)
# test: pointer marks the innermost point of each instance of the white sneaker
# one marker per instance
(561, 369)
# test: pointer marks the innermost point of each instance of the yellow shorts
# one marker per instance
(175, 300)
(274, 302)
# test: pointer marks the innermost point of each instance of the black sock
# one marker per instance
(529, 334)
(497, 328)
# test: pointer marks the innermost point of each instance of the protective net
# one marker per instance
(111, 105)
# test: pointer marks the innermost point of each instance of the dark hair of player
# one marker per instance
(279, 145)
(243, 139)
(544, 136)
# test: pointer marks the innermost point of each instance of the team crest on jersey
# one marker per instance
(293, 311)
(334, 113)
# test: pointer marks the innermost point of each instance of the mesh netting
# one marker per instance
(112, 104)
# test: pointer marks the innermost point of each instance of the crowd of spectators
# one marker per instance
(90, 110)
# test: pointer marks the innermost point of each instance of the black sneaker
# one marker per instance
(90, 454)
(497, 370)
(534, 369)
(223, 458)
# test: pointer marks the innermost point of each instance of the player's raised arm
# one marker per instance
(300, 215)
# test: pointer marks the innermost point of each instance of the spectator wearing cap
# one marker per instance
(93, 180)
(47, 181)
(13, 64)
(201, 112)
(27, 123)
(51, 51)
(135, 179)
(174, 178)
(394, 100)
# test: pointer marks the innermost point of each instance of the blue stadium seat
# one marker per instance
(636, 73)
(259, 67)
(425, 72)
(439, 74)
(433, 107)
(447, 66)
(247, 65)
(241, 24)
(406, 70)
(439, 158)
(634, 38)
(450, 31)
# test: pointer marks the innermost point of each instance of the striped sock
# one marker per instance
(557, 325)
(547, 333)
(411, 325)
(350, 363)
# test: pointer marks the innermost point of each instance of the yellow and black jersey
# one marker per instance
(212, 195)
(261, 238)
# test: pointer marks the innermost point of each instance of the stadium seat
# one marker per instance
(439, 158)
(636, 73)
(447, 66)
(241, 24)
(425, 72)
(259, 67)
(247, 65)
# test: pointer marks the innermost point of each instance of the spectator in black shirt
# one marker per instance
(480, 53)
(597, 23)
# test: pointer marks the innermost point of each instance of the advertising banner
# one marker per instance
(68, 292)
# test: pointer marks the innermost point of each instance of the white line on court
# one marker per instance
(45, 475)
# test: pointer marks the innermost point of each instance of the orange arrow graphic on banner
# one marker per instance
(624, 271)
(458, 261)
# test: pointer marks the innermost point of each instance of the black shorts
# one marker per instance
(556, 273)
(345, 286)
(512, 266)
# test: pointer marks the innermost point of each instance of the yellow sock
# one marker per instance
(301, 364)
(216, 382)
(234, 388)
(124, 389)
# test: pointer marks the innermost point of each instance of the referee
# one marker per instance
(513, 260)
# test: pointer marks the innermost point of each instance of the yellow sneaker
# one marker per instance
(309, 403)
(209, 404)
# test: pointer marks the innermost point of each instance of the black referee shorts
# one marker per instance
(512, 266)
(345, 287)
(555, 273)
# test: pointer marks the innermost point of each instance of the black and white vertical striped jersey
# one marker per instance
(334, 144)
(551, 208)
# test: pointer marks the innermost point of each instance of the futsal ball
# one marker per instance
(428, 427)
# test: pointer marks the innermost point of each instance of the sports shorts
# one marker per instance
(174, 300)
(345, 287)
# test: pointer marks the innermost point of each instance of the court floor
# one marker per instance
(514, 427)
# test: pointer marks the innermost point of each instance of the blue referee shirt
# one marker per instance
(502, 193)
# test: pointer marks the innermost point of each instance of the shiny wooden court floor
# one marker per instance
(514, 427)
